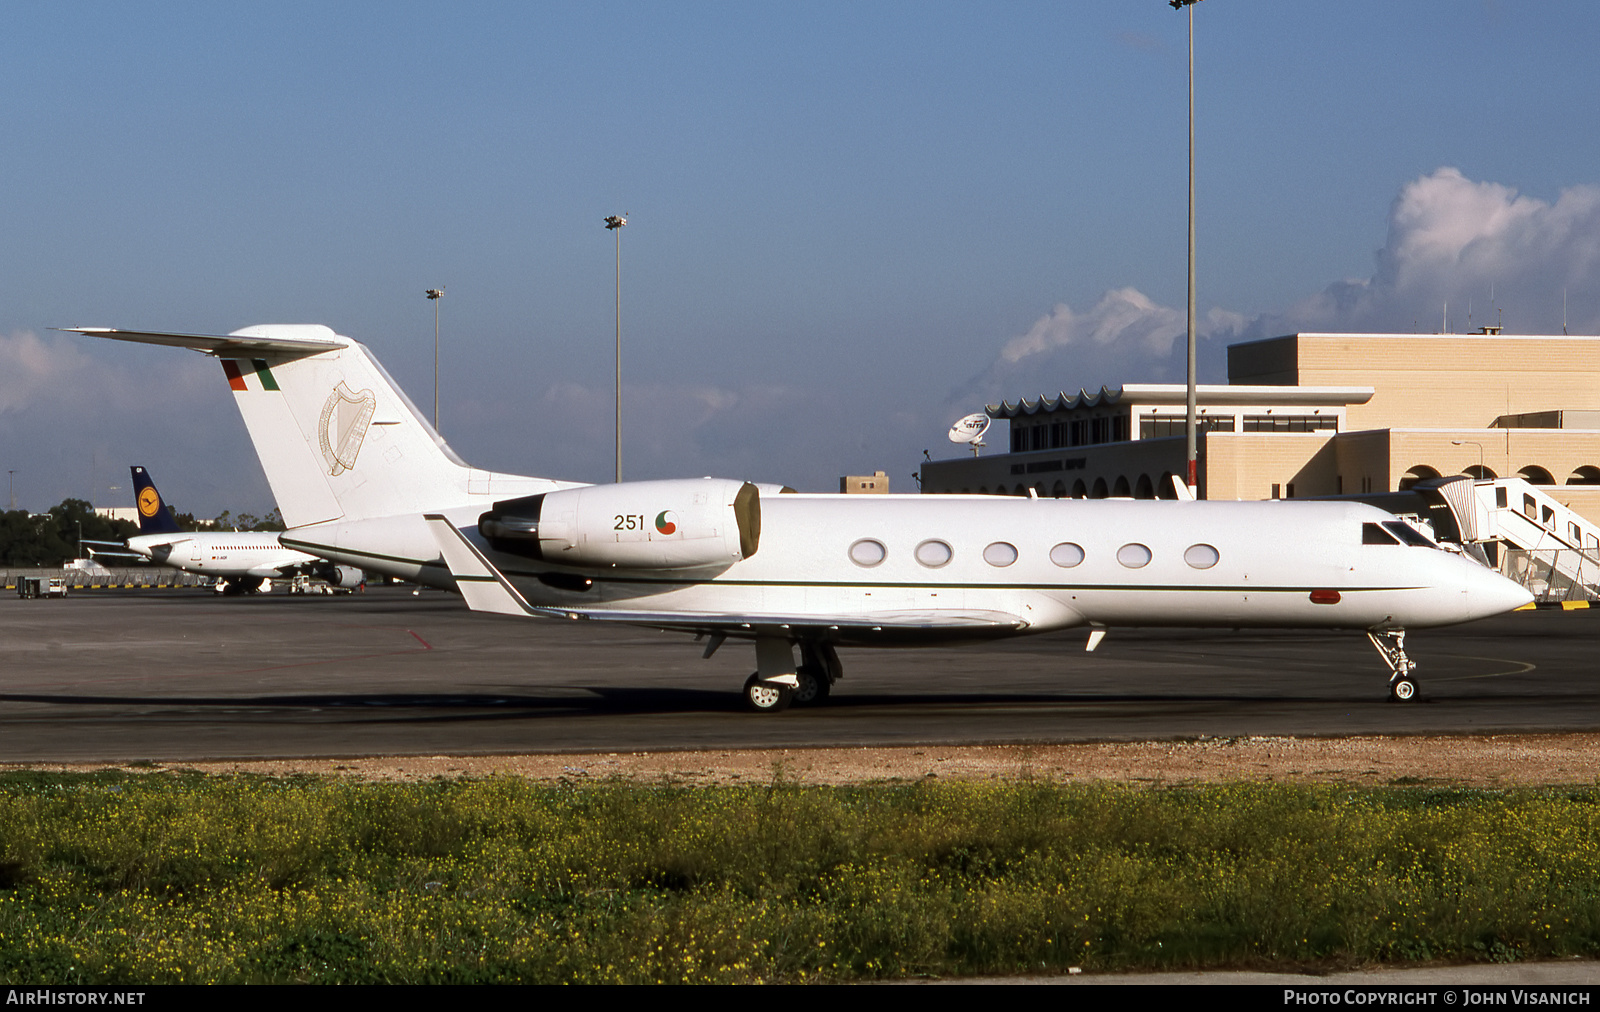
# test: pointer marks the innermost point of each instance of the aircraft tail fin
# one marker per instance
(336, 435)
(154, 517)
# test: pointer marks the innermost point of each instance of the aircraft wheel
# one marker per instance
(813, 688)
(766, 697)
(1402, 690)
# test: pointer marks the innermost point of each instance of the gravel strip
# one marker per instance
(1488, 761)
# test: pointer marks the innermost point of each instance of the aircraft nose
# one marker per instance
(1489, 593)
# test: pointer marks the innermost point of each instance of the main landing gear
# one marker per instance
(1391, 645)
(778, 682)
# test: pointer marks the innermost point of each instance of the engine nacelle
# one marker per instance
(681, 524)
(346, 576)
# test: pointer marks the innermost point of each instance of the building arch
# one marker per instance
(1418, 472)
(1121, 490)
(1060, 490)
(1100, 491)
(1537, 475)
(1144, 489)
(1080, 490)
(1165, 489)
(1479, 472)
(1588, 474)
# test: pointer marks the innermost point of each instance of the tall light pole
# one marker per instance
(1482, 471)
(1193, 441)
(434, 295)
(614, 223)
(11, 477)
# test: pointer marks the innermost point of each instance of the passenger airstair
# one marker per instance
(1521, 531)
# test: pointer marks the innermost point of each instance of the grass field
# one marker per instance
(162, 878)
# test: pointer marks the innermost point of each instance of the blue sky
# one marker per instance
(849, 223)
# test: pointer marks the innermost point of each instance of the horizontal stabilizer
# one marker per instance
(222, 346)
(484, 587)
(109, 553)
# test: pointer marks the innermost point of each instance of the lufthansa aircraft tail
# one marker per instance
(154, 517)
(336, 436)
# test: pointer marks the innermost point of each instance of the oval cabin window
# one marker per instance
(1134, 555)
(1201, 556)
(1066, 555)
(1000, 554)
(868, 552)
(933, 554)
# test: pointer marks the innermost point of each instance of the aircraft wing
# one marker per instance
(975, 621)
(486, 589)
(110, 550)
(211, 344)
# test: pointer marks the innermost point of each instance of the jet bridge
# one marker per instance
(1509, 525)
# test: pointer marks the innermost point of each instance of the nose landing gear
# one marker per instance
(1391, 646)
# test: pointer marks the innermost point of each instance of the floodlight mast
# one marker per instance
(614, 223)
(1482, 471)
(434, 295)
(1190, 428)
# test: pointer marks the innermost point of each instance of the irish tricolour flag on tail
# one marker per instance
(236, 375)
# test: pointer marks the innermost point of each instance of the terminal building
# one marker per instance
(1317, 415)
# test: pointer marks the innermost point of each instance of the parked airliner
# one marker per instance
(362, 479)
(243, 562)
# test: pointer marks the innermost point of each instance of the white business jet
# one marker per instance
(362, 479)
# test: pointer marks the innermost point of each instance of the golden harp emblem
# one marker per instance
(345, 418)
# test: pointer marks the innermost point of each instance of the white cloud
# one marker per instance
(1124, 337)
(1474, 245)
(74, 413)
(1450, 240)
(30, 369)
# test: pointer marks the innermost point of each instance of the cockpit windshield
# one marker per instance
(1394, 532)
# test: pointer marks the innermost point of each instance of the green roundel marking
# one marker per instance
(664, 525)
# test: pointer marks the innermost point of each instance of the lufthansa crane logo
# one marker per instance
(149, 502)
(345, 418)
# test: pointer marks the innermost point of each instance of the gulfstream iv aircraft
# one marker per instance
(242, 561)
(362, 479)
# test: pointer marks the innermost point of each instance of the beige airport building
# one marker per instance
(1316, 415)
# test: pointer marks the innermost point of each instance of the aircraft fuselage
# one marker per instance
(1012, 565)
